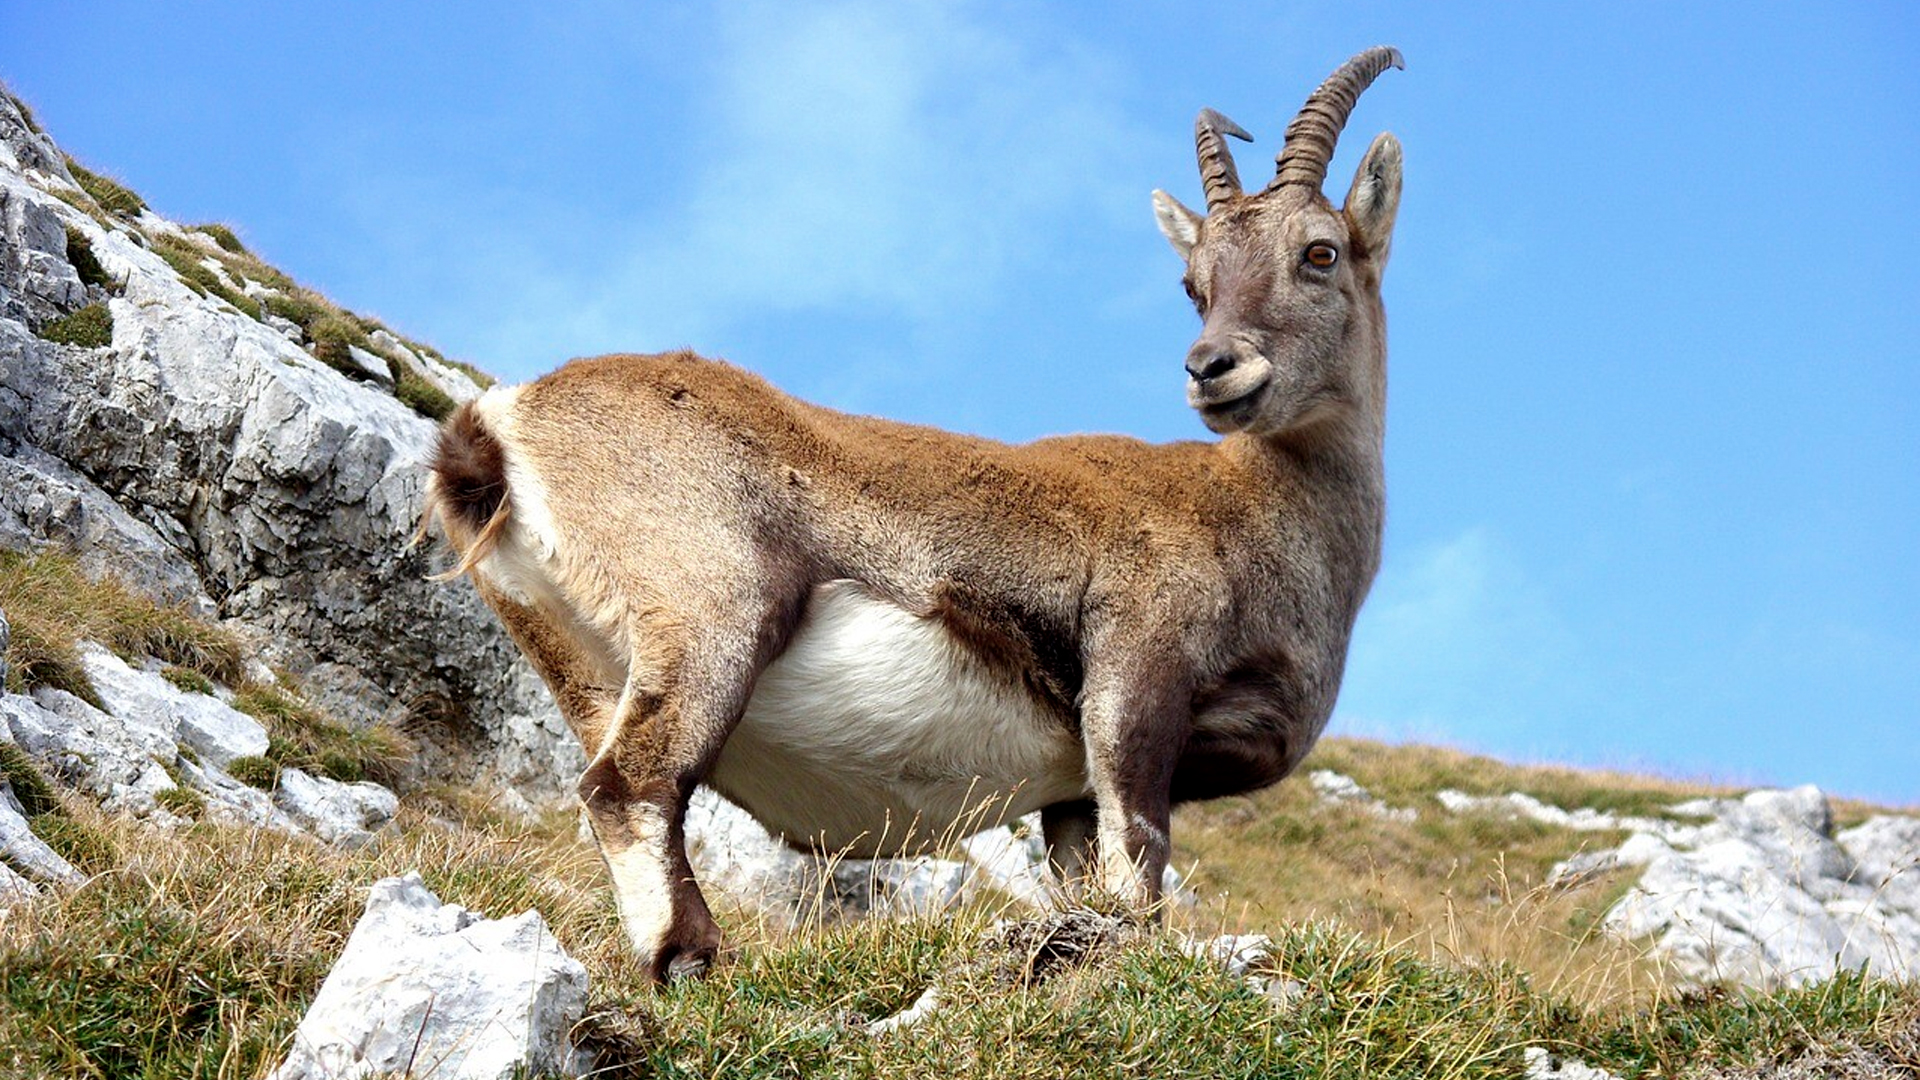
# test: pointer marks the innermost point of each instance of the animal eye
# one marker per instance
(1321, 256)
(1193, 294)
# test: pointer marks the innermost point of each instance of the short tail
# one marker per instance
(467, 492)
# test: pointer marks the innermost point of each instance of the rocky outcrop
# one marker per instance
(732, 852)
(1758, 890)
(1765, 893)
(425, 988)
(209, 459)
(160, 753)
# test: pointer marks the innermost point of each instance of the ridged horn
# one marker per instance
(1218, 177)
(1311, 137)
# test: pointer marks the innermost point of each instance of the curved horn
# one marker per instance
(1311, 137)
(1218, 177)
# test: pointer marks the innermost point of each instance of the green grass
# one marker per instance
(35, 795)
(187, 679)
(301, 736)
(300, 307)
(84, 203)
(333, 335)
(255, 772)
(187, 261)
(183, 801)
(89, 328)
(26, 114)
(197, 954)
(85, 263)
(224, 236)
(111, 196)
(46, 595)
(421, 396)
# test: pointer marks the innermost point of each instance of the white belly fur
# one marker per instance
(877, 733)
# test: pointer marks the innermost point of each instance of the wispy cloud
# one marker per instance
(1459, 644)
(889, 157)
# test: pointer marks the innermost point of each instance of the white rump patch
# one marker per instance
(520, 564)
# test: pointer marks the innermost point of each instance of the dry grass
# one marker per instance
(52, 605)
(194, 955)
(1456, 888)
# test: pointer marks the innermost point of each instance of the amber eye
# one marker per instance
(1321, 256)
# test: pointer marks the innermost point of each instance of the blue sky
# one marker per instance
(1654, 438)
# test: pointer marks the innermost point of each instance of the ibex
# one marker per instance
(863, 631)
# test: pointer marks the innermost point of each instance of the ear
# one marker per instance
(1180, 225)
(1375, 197)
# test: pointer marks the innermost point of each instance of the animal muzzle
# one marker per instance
(1220, 373)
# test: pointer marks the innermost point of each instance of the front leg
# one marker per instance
(1136, 714)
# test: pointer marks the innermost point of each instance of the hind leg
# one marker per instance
(688, 684)
(1069, 829)
(584, 681)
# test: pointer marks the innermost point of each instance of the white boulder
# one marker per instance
(339, 813)
(21, 849)
(212, 729)
(1763, 894)
(426, 988)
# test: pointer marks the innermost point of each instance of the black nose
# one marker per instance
(1209, 365)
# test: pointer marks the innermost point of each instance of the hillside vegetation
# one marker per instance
(1402, 948)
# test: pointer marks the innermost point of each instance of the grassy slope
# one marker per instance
(1427, 948)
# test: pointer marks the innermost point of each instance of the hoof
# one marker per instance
(688, 965)
(680, 962)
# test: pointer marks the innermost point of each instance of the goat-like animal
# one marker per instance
(864, 632)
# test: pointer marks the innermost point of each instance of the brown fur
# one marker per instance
(1183, 608)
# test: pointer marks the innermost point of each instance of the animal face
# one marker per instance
(1286, 285)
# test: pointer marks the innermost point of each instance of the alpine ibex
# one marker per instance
(851, 626)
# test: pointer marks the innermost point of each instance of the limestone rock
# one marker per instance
(450, 380)
(1762, 893)
(14, 887)
(1520, 804)
(1544, 1065)
(116, 762)
(21, 849)
(1332, 787)
(204, 454)
(41, 284)
(372, 368)
(213, 730)
(426, 988)
(336, 812)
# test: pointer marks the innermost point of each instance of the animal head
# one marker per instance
(1287, 285)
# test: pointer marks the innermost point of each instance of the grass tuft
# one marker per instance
(421, 396)
(183, 801)
(301, 736)
(255, 772)
(189, 680)
(35, 795)
(89, 328)
(224, 236)
(85, 263)
(56, 605)
(83, 843)
(112, 197)
(187, 260)
(333, 334)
